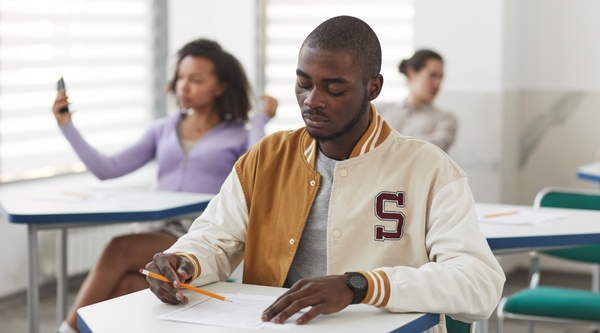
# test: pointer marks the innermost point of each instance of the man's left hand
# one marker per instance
(327, 294)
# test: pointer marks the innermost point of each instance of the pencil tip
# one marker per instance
(228, 300)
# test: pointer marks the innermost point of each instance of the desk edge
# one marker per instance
(420, 324)
(105, 217)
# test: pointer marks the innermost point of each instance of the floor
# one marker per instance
(13, 313)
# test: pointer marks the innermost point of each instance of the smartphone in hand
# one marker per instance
(60, 85)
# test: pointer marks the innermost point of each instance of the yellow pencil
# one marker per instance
(500, 214)
(79, 195)
(187, 286)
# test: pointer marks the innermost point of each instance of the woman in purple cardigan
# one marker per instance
(195, 150)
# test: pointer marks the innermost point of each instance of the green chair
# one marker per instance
(553, 304)
(455, 326)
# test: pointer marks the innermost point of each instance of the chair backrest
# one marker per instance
(571, 198)
(455, 326)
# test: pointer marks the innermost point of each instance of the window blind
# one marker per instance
(103, 49)
(287, 23)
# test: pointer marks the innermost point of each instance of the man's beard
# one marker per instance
(355, 120)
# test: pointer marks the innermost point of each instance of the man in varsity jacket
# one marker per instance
(345, 210)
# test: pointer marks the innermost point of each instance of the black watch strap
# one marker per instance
(359, 284)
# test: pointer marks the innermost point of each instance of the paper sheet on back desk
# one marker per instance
(79, 195)
(524, 217)
(244, 312)
(108, 197)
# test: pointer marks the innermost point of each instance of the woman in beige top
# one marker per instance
(416, 116)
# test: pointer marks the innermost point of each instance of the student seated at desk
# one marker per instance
(345, 210)
(195, 151)
(416, 116)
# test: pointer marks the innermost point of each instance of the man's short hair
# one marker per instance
(350, 35)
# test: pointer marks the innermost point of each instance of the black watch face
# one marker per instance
(358, 282)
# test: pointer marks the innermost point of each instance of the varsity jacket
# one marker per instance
(401, 213)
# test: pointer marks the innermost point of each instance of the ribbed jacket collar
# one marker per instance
(375, 135)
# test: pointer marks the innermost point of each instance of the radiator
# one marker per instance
(84, 246)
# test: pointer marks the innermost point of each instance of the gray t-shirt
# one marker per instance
(311, 257)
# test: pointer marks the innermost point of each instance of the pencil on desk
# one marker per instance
(501, 214)
(75, 194)
(187, 286)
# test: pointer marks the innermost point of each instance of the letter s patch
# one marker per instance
(380, 233)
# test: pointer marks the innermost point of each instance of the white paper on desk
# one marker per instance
(128, 200)
(523, 217)
(77, 195)
(109, 197)
(244, 312)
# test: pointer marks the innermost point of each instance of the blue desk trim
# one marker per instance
(588, 176)
(419, 325)
(81, 325)
(542, 241)
(106, 217)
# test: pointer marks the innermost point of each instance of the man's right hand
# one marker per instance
(175, 268)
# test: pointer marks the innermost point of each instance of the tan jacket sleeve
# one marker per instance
(216, 239)
(444, 131)
(463, 279)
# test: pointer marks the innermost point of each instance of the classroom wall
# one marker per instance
(13, 246)
(522, 77)
(467, 33)
(558, 87)
(551, 94)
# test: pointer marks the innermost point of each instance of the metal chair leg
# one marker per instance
(534, 270)
(596, 278)
(500, 315)
(62, 284)
(595, 289)
(475, 328)
(33, 290)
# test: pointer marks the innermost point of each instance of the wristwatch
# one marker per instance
(358, 283)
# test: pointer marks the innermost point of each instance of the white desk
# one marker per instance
(578, 227)
(19, 205)
(135, 313)
(590, 172)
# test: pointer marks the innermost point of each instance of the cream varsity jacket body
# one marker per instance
(401, 212)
